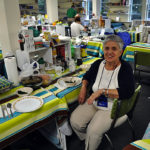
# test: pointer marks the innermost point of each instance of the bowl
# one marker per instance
(69, 81)
(25, 91)
(32, 81)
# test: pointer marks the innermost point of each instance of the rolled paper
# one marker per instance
(11, 69)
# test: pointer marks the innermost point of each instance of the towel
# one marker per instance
(4, 83)
(92, 48)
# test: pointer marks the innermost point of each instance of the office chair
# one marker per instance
(141, 63)
(123, 108)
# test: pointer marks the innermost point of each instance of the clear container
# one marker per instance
(77, 52)
(72, 66)
(58, 70)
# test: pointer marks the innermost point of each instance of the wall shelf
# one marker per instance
(38, 49)
(112, 10)
(118, 13)
(117, 5)
(64, 6)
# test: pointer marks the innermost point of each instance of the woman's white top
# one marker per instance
(76, 28)
(105, 79)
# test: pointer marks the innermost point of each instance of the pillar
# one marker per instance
(9, 26)
(52, 10)
(96, 7)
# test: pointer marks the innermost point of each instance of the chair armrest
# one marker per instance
(115, 112)
(115, 108)
(121, 107)
(125, 106)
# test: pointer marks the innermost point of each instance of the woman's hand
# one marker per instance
(82, 95)
(95, 95)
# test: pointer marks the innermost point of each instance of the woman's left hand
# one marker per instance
(95, 95)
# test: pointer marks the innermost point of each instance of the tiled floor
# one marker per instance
(121, 136)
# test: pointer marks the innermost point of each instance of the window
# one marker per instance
(136, 9)
(126, 10)
(115, 9)
(104, 8)
(148, 10)
(42, 6)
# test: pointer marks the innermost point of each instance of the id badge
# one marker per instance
(102, 101)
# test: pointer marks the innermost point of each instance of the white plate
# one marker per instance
(27, 90)
(28, 104)
(85, 66)
(69, 81)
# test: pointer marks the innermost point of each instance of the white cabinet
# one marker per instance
(44, 52)
(29, 46)
(48, 28)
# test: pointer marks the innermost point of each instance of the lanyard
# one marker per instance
(110, 77)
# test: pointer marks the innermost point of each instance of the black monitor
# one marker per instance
(2, 68)
(68, 31)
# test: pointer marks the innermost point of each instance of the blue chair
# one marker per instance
(125, 36)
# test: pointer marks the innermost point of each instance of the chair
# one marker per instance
(123, 108)
(141, 63)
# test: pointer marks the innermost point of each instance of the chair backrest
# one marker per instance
(125, 36)
(141, 58)
(126, 106)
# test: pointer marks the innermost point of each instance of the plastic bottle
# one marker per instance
(100, 21)
(72, 66)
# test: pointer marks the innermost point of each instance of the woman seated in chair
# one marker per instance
(108, 78)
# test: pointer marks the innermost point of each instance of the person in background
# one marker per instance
(77, 15)
(71, 12)
(76, 27)
(109, 78)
